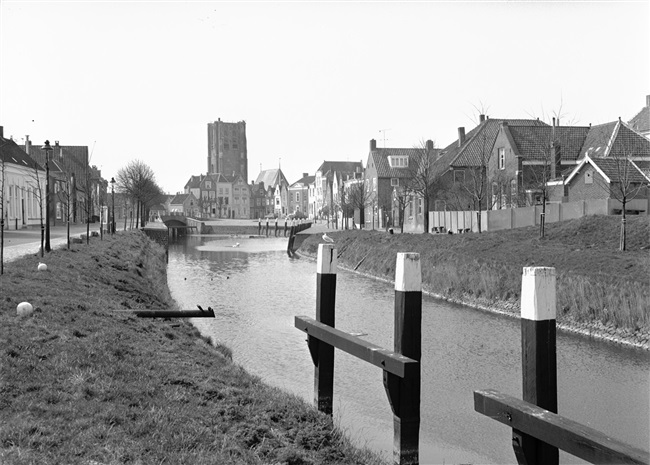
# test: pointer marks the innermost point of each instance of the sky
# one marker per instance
(314, 81)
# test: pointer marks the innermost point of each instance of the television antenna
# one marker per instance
(384, 135)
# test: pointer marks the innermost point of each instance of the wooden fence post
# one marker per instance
(539, 365)
(404, 393)
(267, 228)
(323, 354)
(259, 227)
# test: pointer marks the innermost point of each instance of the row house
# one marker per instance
(23, 187)
(187, 204)
(77, 188)
(328, 181)
(275, 180)
(299, 195)
(262, 201)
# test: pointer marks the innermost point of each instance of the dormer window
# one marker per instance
(398, 162)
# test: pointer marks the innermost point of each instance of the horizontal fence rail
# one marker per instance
(560, 432)
(387, 360)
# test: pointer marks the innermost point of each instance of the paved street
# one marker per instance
(28, 241)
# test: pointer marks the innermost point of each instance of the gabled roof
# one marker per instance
(477, 142)
(304, 181)
(179, 199)
(343, 167)
(615, 139)
(194, 182)
(613, 169)
(271, 178)
(641, 122)
(380, 158)
(534, 142)
(10, 152)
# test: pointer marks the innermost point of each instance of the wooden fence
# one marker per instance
(537, 430)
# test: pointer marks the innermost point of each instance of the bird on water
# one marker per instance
(236, 245)
(326, 238)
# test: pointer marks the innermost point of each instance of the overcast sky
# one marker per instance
(313, 81)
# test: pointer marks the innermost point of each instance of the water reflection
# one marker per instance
(256, 291)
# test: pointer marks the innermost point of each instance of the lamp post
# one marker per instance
(47, 149)
(113, 202)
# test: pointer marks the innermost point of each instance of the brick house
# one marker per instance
(240, 206)
(608, 178)
(525, 159)
(325, 196)
(186, 204)
(464, 163)
(299, 194)
(389, 169)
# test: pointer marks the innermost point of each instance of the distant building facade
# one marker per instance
(227, 149)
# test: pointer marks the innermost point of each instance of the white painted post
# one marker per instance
(322, 353)
(404, 393)
(539, 364)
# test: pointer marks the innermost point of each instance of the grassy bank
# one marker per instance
(597, 285)
(84, 381)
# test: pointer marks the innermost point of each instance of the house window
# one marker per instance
(398, 162)
(297, 196)
(502, 158)
(207, 185)
(420, 203)
(589, 177)
(459, 176)
(394, 181)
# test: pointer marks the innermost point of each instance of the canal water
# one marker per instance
(256, 290)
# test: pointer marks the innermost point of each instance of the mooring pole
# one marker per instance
(323, 354)
(539, 364)
(404, 393)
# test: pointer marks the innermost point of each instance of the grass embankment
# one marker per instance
(83, 382)
(598, 287)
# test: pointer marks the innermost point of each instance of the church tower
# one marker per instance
(227, 153)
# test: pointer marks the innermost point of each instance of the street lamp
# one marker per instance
(113, 201)
(47, 149)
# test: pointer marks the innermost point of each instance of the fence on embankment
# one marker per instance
(538, 432)
(510, 218)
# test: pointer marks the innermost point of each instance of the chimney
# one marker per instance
(429, 144)
(647, 100)
(461, 136)
(304, 175)
(481, 118)
(2, 131)
(373, 145)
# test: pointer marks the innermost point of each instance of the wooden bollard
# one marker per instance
(259, 227)
(267, 228)
(322, 353)
(539, 364)
(404, 393)
(276, 227)
(285, 228)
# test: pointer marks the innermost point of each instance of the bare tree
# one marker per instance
(476, 183)
(424, 180)
(360, 196)
(137, 181)
(402, 197)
